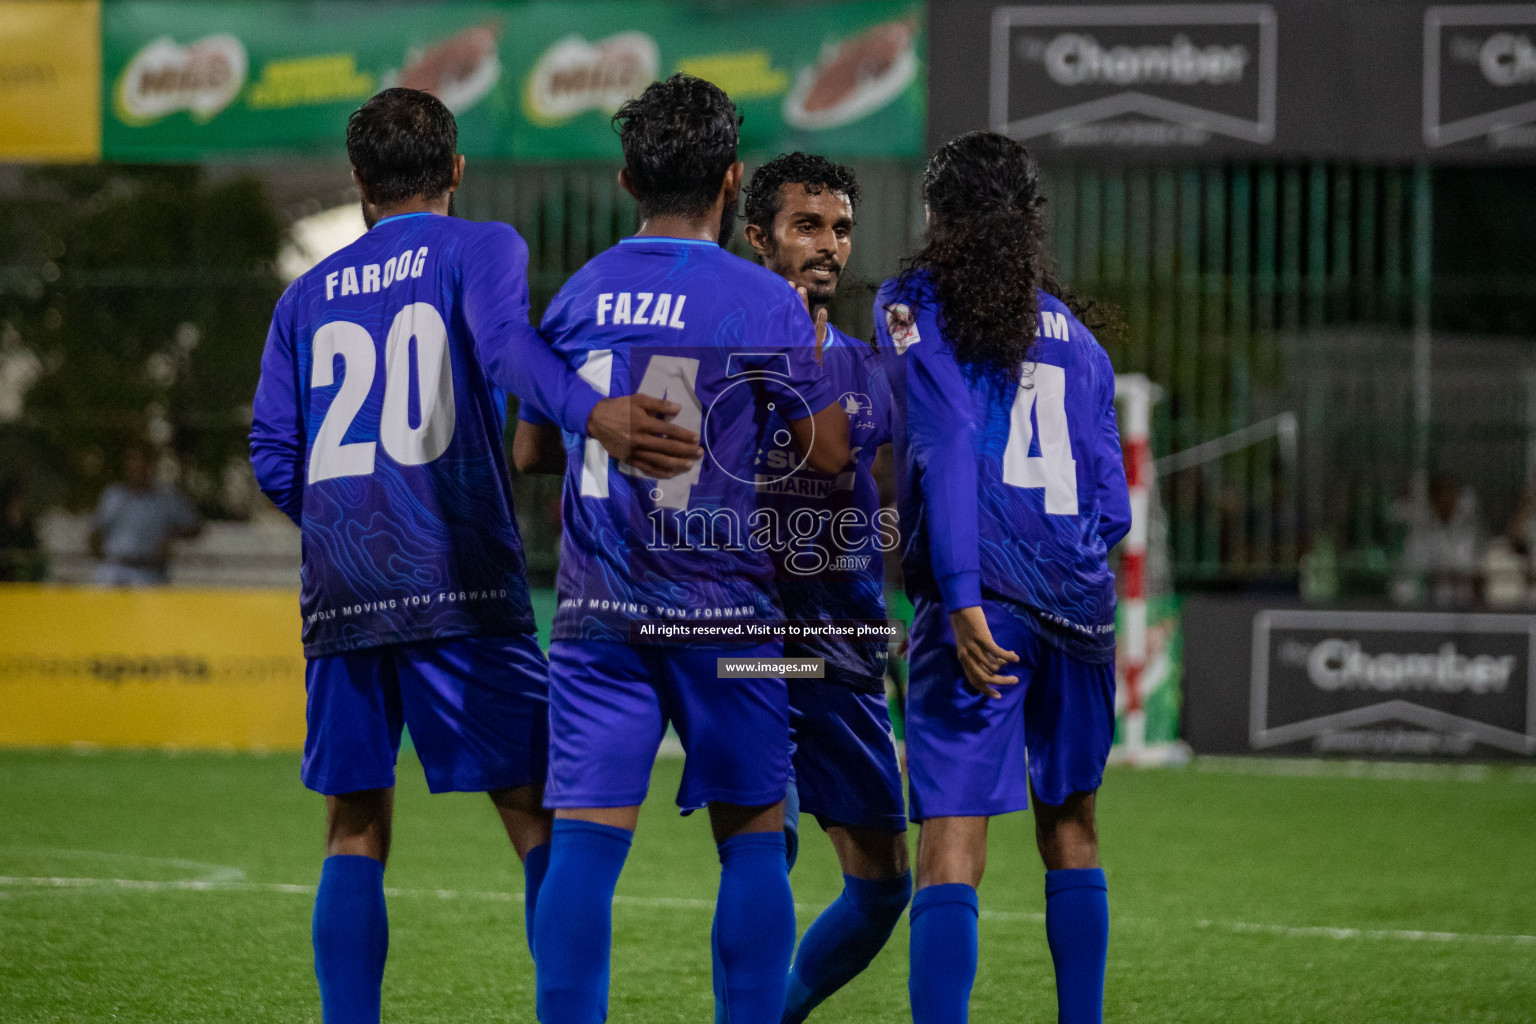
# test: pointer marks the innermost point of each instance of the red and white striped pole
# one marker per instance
(1135, 392)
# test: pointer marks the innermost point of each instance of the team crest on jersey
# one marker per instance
(860, 410)
(902, 325)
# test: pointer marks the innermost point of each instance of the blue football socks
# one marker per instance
(1077, 928)
(535, 866)
(573, 928)
(843, 940)
(717, 972)
(754, 929)
(351, 937)
(943, 953)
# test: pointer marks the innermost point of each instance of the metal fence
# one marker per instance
(1253, 290)
(568, 214)
(1247, 291)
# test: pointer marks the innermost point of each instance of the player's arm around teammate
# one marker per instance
(1012, 486)
(671, 311)
(423, 617)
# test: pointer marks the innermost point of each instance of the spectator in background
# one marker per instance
(21, 557)
(1442, 553)
(134, 524)
(1510, 557)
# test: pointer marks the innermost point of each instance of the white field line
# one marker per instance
(1391, 771)
(205, 872)
(284, 888)
(146, 885)
(1394, 934)
(686, 903)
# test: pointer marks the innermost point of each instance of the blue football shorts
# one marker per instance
(844, 755)
(477, 708)
(609, 705)
(969, 755)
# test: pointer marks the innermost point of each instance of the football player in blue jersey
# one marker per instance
(671, 312)
(377, 427)
(1012, 493)
(800, 212)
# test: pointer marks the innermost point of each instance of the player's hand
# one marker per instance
(821, 319)
(635, 429)
(980, 657)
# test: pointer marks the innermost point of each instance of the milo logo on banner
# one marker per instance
(1480, 76)
(574, 76)
(164, 77)
(1134, 76)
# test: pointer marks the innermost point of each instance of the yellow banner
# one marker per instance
(211, 669)
(50, 80)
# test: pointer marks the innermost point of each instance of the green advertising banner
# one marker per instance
(188, 80)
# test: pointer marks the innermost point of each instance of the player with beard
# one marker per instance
(415, 601)
(669, 311)
(1012, 492)
(800, 213)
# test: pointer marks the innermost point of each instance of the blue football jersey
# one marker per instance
(830, 561)
(1011, 489)
(733, 345)
(378, 424)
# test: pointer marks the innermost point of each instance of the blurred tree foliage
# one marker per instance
(142, 296)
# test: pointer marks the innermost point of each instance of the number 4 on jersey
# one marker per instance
(1054, 468)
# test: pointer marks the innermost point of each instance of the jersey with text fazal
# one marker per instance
(731, 343)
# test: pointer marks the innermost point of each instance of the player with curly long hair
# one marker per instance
(1012, 493)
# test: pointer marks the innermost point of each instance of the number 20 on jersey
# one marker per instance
(407, 445)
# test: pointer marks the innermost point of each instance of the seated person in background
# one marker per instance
(134, 524)
(1441, 554)
(1508, 558)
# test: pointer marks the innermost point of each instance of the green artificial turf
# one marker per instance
(1223, 882)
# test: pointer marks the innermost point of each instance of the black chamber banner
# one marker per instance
(1279, 678)
(1107, 81)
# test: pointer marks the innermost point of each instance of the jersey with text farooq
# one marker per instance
(732, 344)
(377, 431)
(830, 562)
(1012, 487)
